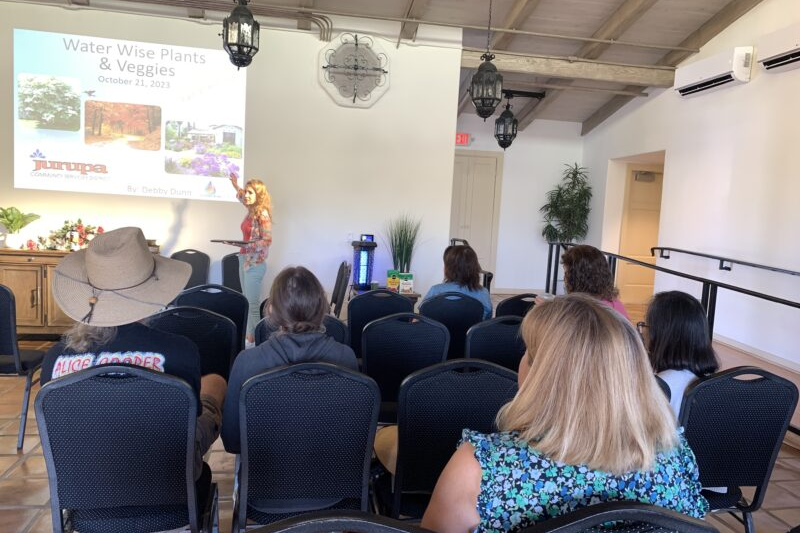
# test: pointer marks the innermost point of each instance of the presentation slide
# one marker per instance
(122, 117)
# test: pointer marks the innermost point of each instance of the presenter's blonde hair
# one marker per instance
(263, 199)
(590, 396)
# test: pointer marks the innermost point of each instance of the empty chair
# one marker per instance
(230, 272)
(221, 300)
(518, 305)
(458, 312)
(340, 288)
(396, 346)
(497, 341)
(13, 361)
(487, 278)
(306, 435)
(435, 405)
(369, 306)
(635, 517)
(352, 521)
(200, 262)
(215, 335)
(735, 422)
(119, 445)
(334, 328)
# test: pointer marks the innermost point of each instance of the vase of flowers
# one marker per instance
(73, 235)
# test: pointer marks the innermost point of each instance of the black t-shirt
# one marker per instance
(134, 344)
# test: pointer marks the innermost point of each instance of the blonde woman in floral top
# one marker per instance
(257, 232)
(589, 424)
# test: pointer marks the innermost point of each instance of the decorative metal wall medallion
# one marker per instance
(354, 70)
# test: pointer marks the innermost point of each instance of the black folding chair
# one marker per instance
(458, 312)
(230, 272)
(436, 404)
(518, 305)
(119, 445)
(216, 336)
(735, 422)
(329, 521)
(396, 346)
(486, 280)
(334, 328)
(370, 306)
(221, 300)
(497, 341)
(628, 517)
(200, 262)
(340, 288)
(307, 432)
(13, 361)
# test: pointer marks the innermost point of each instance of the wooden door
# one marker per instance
(54, 316)
(476, 202)
(25, 281)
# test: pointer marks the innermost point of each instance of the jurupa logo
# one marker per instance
(40, 162)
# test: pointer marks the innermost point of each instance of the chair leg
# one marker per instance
(749, 525)
(23, 416)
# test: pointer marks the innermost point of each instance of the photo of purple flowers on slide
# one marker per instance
(202, 149)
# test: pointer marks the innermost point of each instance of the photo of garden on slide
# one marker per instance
(48, 102)
(202, 149)
(124, 125)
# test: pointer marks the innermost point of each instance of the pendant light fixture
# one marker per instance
(486, 89)
(240, 35)
(505, 127)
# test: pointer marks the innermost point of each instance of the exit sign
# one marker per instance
(463, 139)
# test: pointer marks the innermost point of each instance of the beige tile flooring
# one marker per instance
(24, 494)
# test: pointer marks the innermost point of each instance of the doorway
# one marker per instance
(475, 210)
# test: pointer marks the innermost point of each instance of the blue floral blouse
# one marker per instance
(520, 486)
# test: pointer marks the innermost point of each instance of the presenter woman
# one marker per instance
(257, 232)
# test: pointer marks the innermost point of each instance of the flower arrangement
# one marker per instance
(70, 237)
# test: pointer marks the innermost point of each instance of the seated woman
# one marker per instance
(297, 305)
(589, 424)
(586, 270)
(462, 274)
(678, 341)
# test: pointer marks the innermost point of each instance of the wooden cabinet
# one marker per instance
(29, 275)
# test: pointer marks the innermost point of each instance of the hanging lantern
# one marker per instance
(505, 128)
(486, 89)
(240, 35)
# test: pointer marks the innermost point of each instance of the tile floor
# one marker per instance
(24, 494)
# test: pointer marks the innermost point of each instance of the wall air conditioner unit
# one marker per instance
(722, 70)
(780, 50)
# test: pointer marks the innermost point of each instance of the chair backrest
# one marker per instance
(117, 437)
(230, 272)
(221, 300)
(337, 282)
(518, 305)
(664, 387)
(497, 340)
(200, 262)
(458, 312)
(341, 290)
(334, 328)
(735, 426)
(370, 306)
(307, 432)
(636, 517)
(487, 279)
(435, 405)
(215, 335)
(353, 521)
(398, 345)
(8, 327)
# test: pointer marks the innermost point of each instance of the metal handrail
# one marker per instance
(663, 253)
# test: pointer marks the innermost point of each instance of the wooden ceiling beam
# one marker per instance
(516, 17)
(414, 10)
(305, 24)
(713, 26)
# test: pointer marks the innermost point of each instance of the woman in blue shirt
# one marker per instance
(462, 273)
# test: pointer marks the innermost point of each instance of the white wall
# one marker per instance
(332, 171)
(532, 166)
(730, 184)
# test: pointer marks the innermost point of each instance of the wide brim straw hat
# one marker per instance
(116, 280)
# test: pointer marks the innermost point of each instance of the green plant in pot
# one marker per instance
(14, 220)
(402, 233)
(566, 213)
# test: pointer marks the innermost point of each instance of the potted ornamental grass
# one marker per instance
(402, 233)
(13, 220)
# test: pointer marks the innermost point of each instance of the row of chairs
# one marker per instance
(201, 265)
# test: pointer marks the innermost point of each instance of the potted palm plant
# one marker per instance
(14, 220)
(566, 213)
(402, 233)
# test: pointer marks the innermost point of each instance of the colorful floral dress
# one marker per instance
(520, 486)
(255, 228)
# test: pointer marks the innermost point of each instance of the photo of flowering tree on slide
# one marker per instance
(48, 102)
(120, 124)
(202, 149)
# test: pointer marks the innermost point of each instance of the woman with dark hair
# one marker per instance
(586, 270)
(462, 273)
(678, 342)
(297, 305)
